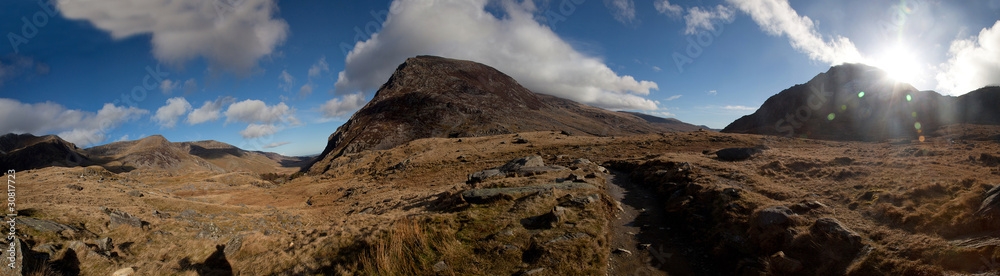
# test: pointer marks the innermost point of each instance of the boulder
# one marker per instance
(770, 228)
(530, 171)
(480, 196)
(737, 154)
(128, 271)
(122, 218)
(989, 210)
(484, 175)
(528, 161)
(105, 244)
(44, 225)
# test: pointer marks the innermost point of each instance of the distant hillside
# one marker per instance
(26, 151)
(157, 153)
(431, 96)
(859, 102)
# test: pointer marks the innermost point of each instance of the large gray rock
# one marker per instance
(737, 154)
(484, 175)
(480, 196)
(989, 210)
(44, 225)
(536, 170)
(121, 218)
(105, 244)
(528, 161)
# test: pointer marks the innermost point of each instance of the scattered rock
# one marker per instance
(621, 251)
(807, 205)
(105, 244)
(528, 161)
(989, 159)
(770, 228)
(782, 265)
(440, 266)
(480, 196)
(567, 133)
(534, 271)
(135, 193)
(832, 230)
(520, 140)
(842, 161)
(366, 210)
(233, 246)
(737, 154)
(530, 171)
(44, 225)
(128, 271)
(644, 246)
(484, 175)
(75, 187)
(122, 218)
(989, 210)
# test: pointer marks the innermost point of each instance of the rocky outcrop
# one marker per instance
(431, 96)
(25, 151)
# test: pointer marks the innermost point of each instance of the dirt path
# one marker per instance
(641, 228)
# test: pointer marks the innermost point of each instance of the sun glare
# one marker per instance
(901, 64)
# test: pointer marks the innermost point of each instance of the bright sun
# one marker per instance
(901, 64)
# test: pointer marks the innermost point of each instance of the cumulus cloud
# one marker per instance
(77, 126)
(305, 90)
(712, 92)
(275, 145)
(209, 111)
(167, 115)
(515, 44)
(664, 7)
(972, 63)
(231, 35)
(168, 86)
(336, 108)
(319, 68)
(258, 130)
(777, 18)
(698, 19)
(622, 10)
(190, 86)
(256, 111)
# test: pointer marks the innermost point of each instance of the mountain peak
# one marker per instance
(429, 96)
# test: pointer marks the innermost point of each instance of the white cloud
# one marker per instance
(319, 68)
(739, 108)
(20, 67)
(258, 130)
(515, 44)
(622, 10)
(77, 126)
(287, 81)
(231, 35)
(664, 7)
(167, 115)
(712, 92)
(256, 111)
(275, 145)
(657, 69)
(305, 90)
(124, 138)
(168, 86)
(778, 18)
(972, 64)
(336, 108)
(674, 97)
(698, 19)
(209, 111)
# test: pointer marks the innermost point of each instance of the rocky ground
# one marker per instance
(540, 203)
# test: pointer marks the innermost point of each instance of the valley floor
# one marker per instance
(638, 205)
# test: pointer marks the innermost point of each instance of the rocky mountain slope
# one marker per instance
(859, 102)
(431, 96)
(155, 152)
(26, 151)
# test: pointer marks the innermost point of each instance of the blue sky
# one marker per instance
(283, 75)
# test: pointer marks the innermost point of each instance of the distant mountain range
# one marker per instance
(430, 96)
(26, 151)
(860, 102)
